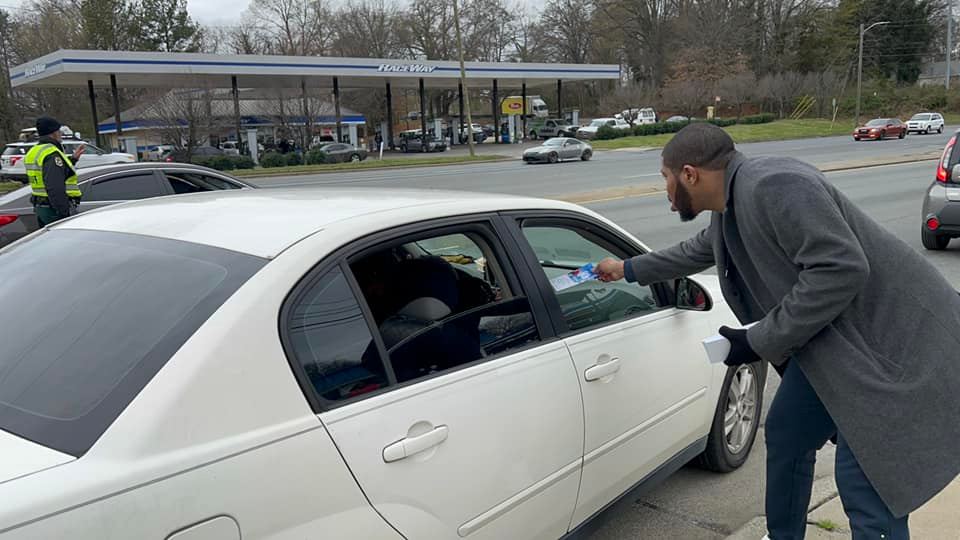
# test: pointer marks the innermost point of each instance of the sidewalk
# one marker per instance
(939, 519)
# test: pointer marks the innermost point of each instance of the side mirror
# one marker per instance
(691, 296)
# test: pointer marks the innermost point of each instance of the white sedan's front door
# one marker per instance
(447, 440)
(642, 369)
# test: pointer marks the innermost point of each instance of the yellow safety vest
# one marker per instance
(33, 162)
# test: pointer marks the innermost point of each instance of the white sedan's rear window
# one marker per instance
(90, 317)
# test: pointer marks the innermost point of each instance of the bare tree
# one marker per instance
(566, 30)
(738, 89)
(367, 28)
(295, 27)
(184, 118)
(781, 89)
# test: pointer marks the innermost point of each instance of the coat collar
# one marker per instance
(736, 161)
(46, 139)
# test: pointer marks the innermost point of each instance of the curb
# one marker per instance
(413, 165)
(824, 491)
(910, 158)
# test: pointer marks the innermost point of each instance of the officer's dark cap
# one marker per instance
(47, 125)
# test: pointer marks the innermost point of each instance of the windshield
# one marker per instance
(921, 117)
(78, 348)
(554, 142)
(15, 150)
(600, 122)
(877, 122)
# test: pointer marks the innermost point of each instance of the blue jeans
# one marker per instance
(797, 426)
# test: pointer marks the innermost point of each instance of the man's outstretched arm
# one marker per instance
(686, 258)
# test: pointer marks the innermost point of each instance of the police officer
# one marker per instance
(52, 175)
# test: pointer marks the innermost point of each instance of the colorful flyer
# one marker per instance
(575, 277)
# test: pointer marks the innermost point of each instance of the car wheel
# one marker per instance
(902, 135)
(586, 155)
(883, 135)
(533, 135)
(355, 158)
(934, 241)
(926, 131)
(553, 158)
(403, 148)
(736, 420)
(940, 129)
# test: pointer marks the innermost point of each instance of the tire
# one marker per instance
(883, 135)
(586, 155)
(355, 158)
(940, 129)
(926, 131)
(725, 454)
(903, 134)
(933, 241)
(403, 148)
(533, 135)
(553, 158)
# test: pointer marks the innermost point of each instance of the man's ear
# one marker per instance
(689, 175)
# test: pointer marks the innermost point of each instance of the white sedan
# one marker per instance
(12, 165)
(341, 363)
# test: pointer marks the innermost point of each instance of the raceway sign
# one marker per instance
(406, 68)
(35, 69)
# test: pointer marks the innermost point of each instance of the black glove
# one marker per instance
(740, 350)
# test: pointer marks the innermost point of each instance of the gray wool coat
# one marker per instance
(873, 325)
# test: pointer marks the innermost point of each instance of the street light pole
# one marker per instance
(463, 78)
(860, 64)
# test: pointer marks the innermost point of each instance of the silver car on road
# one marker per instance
(559, 149)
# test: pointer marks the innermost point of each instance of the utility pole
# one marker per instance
(949, 41)
(463, 77)
(860, 65)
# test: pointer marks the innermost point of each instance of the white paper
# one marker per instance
(718, 347)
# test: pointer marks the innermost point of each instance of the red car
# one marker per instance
(881, 128)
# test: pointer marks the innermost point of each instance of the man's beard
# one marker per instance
(684, 204)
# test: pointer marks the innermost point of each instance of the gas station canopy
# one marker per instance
(73, 68)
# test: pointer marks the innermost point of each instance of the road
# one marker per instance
(692, 504)
(608, 170)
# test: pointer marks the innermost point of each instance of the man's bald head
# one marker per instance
(700, 145)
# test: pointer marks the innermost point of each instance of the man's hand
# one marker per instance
(740, 351)
(609, 270)
(79, 152)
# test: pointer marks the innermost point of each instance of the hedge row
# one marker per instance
(225, 163)
(660, 128)
(276, 159)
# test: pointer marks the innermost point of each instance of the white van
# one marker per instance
(645, 115)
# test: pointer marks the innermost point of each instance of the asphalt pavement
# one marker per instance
(692, 504)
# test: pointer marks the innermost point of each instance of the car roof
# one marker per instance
(265, 222)
(98, 170)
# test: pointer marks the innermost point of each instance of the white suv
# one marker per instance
(11, 161)
(925, 123)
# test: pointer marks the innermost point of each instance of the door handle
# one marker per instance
(414, 445)
(599, 371)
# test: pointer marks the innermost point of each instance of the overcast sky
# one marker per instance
(217, 12)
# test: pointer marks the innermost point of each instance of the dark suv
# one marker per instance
(941, 206)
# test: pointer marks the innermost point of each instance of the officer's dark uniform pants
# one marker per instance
(797, 426)
(46, 215)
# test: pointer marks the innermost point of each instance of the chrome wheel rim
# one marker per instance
(738, 419)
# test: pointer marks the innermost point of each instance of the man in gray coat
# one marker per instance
(864, 331)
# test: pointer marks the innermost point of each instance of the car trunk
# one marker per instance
(22, 457)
